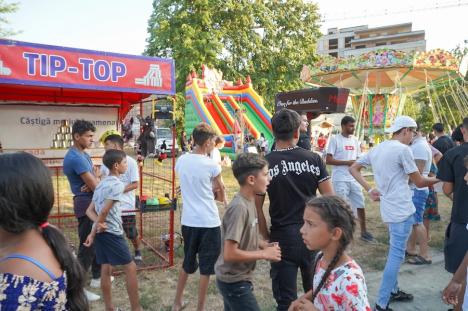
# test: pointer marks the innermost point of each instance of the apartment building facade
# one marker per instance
(358, 40)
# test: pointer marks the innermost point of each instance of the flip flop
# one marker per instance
(410, 255)
(418, 260)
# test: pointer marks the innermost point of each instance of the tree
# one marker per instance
(269, 40)
(6, 8)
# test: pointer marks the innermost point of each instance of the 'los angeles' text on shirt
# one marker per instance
(297, 167)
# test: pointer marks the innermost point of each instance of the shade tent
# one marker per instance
(54, 75)
(20, 94)
(43, 86)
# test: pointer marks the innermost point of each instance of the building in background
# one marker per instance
(362, 39)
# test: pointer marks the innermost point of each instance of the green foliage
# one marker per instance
(6, 8)
(269, 40)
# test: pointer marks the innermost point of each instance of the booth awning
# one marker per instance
(45, 74)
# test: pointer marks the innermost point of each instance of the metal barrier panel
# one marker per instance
(154, 225)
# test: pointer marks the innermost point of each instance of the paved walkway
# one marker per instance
(425, 282)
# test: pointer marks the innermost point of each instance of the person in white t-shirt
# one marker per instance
(393, 165)
(215, 154)
(130, 180)
(198, 176)
(423, 158)
(343, 150)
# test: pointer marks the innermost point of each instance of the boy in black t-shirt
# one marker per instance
(443, 143)
(296, 174)
(452, 172)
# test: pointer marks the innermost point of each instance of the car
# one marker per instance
(164, 134)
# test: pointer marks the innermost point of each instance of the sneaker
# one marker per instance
(379, 308)
(367, 237)
(138, 256)
(401, 296)
(91, 296)
(96, 283)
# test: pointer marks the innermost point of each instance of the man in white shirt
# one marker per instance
(393, 165)
(423, 158)
(343, 150)
(198, 176)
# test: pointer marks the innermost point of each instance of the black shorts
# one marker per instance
(129, 226)
(206, 242)
(112, 249)
(455, 246)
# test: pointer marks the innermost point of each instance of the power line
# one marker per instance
(386, 12)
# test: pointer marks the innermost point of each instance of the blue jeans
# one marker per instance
(399, 234)
(238, 296)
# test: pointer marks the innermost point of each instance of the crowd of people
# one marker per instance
(309, 234)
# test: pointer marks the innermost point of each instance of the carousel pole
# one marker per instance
(431, 104)
(384, 121)
(370, 97)
(450, 110)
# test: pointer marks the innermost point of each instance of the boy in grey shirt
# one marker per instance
(242, 245)
(111, 246)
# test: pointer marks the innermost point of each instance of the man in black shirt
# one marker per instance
(443, 142)
(452, 171)
(304, 138)
(296, 174)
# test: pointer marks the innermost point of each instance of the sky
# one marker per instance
(121, 25)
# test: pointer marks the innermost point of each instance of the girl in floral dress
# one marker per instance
(338, 282)
(37, 268)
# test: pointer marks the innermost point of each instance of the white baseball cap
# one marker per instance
(401, 122)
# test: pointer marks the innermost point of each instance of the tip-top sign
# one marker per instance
(323, 100)
(54, 66)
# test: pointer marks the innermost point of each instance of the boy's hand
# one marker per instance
(101, 227)
(85, 188)
(272, 252)
(89, 240)
(374, 194)
(450, 293)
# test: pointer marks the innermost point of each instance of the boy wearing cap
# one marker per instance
(393, 165)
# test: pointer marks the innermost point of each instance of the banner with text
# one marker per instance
(320, 100)
(46, 65)
(45, 131)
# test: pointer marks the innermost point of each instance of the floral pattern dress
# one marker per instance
(344, 290)
(23, 293)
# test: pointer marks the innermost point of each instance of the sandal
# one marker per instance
(410, 255)
(418, 260)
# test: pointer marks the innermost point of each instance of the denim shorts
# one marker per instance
(129, 224)
(419, 201)
(204, 242)
(112, 249)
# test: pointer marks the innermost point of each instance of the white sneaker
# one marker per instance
(96, 283)
(91, 296)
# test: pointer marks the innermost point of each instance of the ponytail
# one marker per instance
(76, 299)
(331, 266)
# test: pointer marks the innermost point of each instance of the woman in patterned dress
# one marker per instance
(37, 268)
